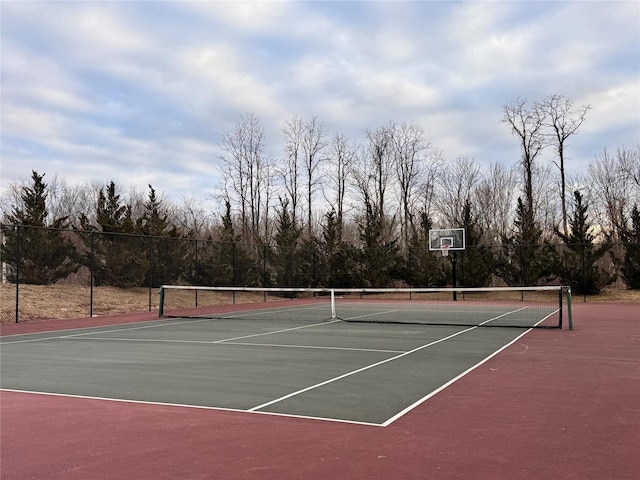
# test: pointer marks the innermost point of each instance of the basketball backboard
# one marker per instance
(447, 239)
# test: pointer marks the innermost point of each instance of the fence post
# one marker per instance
(584, 275)
(196, 267)
(569, 313)
(150, 268)
(315, 273)
(17, 272)
(91, 255)
(234, 275)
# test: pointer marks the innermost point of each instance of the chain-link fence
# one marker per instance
(49, 273)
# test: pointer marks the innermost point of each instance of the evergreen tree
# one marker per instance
(380, 263)
(424, 269)
(476, 262)
(214, 260)
(338, 260)
(38, 248)
(307, 263)
(631, 239)
(115, 254)
(204, 264)
(578, 266)
(524, 260)
(228, 261)
(165, 249)
(228, 249)
(154, 220)
(286, 248)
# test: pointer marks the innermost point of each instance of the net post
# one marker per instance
(333, 304)
(161, 303)
(560, 292)
(569, 314)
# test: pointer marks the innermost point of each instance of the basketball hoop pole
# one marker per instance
(449, 240)
(454, 258)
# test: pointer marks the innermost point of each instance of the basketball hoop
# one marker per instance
(445, 250)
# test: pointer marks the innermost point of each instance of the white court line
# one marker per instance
(158, 321)
(275, 331)
(320, 347)
(503, 315)
(227, 342)
(370, 314)
(348, 374)
(83, 334)
(265, 311)
(75, 335)
(142, 325)
(543, 319)
(450, 382)
(221, 340)
(186, 405)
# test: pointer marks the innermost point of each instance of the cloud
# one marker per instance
(248, 16)
(143, 90)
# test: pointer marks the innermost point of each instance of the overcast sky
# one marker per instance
(139, 92)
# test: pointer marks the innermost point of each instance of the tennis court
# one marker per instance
(294, 362)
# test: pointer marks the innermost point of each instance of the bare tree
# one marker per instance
(191, 217)
(545, 205)
(630, 165)
(455, 188)
(269, 191)
(409, 154)
(564, 122)
(377, 172)
(494, 197)
(80, 199)
(611, 190)
(373, 177)
(526, 123)
(313, 145)
(342, 155)
(432, 172)
(248, 175)
(290, 170)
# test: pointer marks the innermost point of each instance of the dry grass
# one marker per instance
(612, 295)
(39, 302)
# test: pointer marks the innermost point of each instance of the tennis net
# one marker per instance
(525, 307)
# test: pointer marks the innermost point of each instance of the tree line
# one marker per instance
(331, 207)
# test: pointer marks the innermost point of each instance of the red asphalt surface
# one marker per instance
(554, 405)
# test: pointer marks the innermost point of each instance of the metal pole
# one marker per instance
(17, 271)
(161, 305)
(569, 314)
(560, 307)
(196, 269)
(454, 261)
(150, 270)
(91, 282)
(234, 276)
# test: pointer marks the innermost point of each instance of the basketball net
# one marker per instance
(445, 250)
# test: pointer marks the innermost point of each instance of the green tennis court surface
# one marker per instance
(297, 364)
